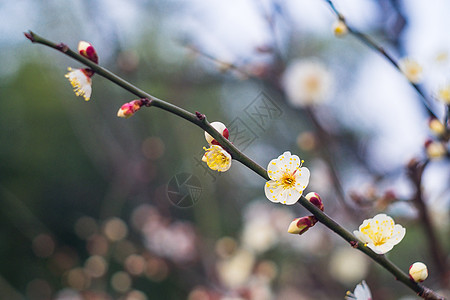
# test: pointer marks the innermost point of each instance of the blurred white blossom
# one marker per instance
(259, 235)
(235, 271)
(347, 265)
(307, 82)
(175, 241)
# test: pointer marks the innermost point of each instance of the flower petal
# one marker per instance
(381, 249)
(272, 190)
(361, 236)
(362, 291)
(382, 217)
(302, 179)
(288, 162)
(284, 163)
(273, 170)
(282, 195)
(292, 196)
(398, 234)
(80, 82)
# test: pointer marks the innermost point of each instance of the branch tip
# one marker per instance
(30, 35)
(62, 47)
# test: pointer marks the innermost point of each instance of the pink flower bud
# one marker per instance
(87, 50)
(315, 199)
(301, 225)
(128, 109)
(418, 272)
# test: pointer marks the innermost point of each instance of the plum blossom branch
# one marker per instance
(201, 121)
(321, 132)
(373, 45)
(195, 118)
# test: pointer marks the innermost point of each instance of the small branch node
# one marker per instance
(62, 47)
(146, 102)
(200, 116)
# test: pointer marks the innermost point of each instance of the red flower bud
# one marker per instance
(315, 199)
(128, 109)
(87, 50)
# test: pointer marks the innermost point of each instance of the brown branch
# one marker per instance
(415, 172)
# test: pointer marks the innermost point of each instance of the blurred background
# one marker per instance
(88, 201)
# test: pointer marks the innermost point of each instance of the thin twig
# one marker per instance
(223, 64)
(200, 120)
(415, 172)
(323, 138)
(366, 40)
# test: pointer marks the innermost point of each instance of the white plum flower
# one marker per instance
(362, 292)
(307, 82)
(288, 179)
(80, 79)
(380, 233)
(217, 158)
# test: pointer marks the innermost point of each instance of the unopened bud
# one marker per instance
(87, 50)
(436, 126)
(301, 225)
(128, 109)
(220, 127)
(418, 272)
(435, 149)
(315, 199)
(340, 28)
